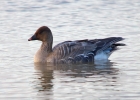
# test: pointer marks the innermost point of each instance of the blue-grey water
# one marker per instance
(21, 79)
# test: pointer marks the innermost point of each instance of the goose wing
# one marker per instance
(82, 50)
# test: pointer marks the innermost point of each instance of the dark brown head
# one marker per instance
(43, 34)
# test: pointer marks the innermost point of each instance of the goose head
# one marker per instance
(43, 34)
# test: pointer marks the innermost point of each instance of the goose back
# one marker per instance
(83, 51)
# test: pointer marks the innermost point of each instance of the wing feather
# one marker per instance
(82, 50)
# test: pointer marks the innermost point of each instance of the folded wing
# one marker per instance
(83, 51)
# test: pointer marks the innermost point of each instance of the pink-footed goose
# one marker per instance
(78, 51)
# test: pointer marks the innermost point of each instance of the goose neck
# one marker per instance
(46, 47)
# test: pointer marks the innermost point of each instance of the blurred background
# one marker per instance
(69, 20)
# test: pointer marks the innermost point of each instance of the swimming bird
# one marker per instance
(78, 51)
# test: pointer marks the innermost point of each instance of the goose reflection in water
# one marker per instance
(50, 75)
(94, 68)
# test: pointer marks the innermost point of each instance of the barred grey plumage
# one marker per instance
(78, 51)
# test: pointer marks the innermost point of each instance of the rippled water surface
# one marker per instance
(119, 79)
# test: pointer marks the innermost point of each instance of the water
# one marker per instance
(69, 20)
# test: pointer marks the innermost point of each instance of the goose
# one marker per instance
(73, 52)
